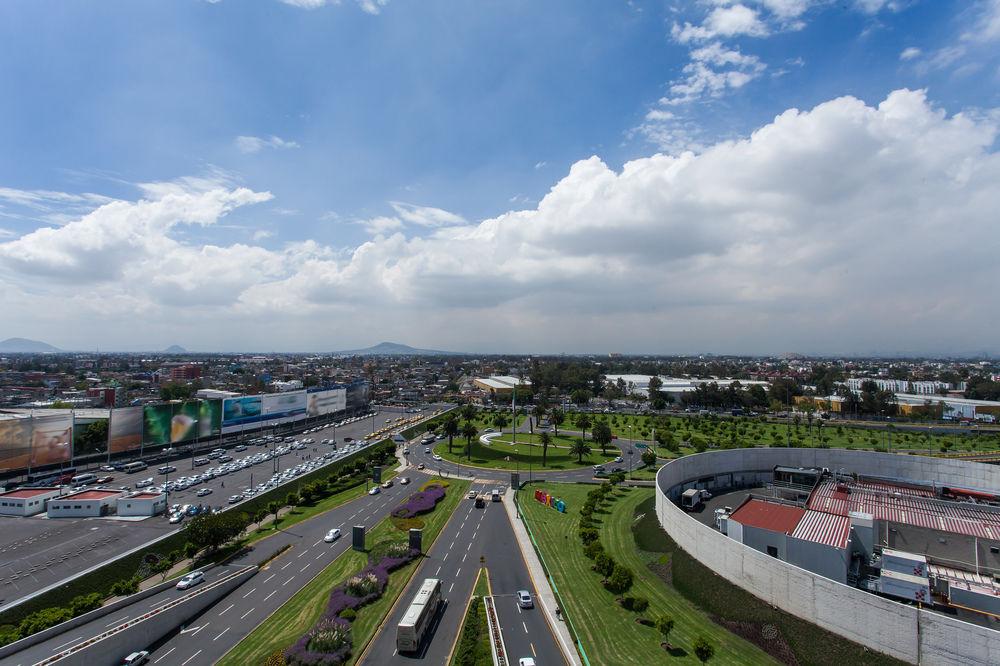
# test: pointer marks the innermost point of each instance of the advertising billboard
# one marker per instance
(357, 395)
(326, 402)
(209, 418)
(281, 405)
(51, 439)
(125, 429)
(170, 423)
(236, 411)
(15, 443)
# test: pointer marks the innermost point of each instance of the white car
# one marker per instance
(375, 490)
(136, 658)
(525, 661)
(437, 457)
(176, 517)
(332, 535)
(203, 492)
(191, 580)
(404, 480)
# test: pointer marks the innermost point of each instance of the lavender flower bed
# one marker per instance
(420, 502)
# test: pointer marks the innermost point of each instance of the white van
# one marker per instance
(83, 479)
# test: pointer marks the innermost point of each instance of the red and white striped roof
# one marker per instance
(826, 528)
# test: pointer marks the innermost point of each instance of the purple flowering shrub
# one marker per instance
(420, 502)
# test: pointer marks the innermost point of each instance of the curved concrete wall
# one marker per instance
(902, 631)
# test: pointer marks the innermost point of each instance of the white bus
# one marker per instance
(415, 622)
(134, 467)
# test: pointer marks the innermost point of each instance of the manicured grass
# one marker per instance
(298, 614)
(528, 451)
(609, 634)
(473, 648)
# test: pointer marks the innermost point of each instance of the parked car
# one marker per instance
(105, 479)
(191, 580)
(332, 535)
(176, 517)
(108, 468)
(233, 499)
(203, 492)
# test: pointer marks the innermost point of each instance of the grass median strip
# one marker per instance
(610, 634)
(298, 614)
(473, 647)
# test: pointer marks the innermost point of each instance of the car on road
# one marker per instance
(405, 480)
(525, 661)
(524, 599)
(480, 501)
(375, 490)
(427, 449)
(176, 517)
(240, 447)
(191, 580)
(387, 483)
(233, 499)
(437, 457)
(105, 479)
(108, 468)
(619, 459)
(332, 535)
(144, 483)
(203, 492)
(406, 451)
(420, 466)
(136, 658)
(471, 495)
(166, 469)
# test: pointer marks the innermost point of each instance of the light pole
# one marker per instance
(194, 425)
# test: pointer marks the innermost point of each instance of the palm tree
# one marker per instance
(580, 449)
(546, 439)
(450, 428)
(500, 420)
(557, 416)
(602, 435)
(469, 431)
(584, 422)
(274, 507)
(468, 412)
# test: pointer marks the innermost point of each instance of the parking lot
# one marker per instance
(39, 552)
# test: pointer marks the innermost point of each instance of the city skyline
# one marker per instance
(745, 178)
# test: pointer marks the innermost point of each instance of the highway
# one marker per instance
(39, 552)
(471, 534)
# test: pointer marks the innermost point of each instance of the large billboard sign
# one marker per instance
(171, 423)
(15, 443)
(357, 395)
(125, 429)
(282, 405)
(237, 411)
(326, 402)
(51, 439)
(210, 418)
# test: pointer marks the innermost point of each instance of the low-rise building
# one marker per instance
(26, 501)
(142, 504)
(84, 504)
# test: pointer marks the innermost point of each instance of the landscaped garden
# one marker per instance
(332, 618)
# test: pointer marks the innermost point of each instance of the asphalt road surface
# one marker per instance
(39, 552)
(471, 534)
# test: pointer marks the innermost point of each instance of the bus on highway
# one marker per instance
(54, 477)
(134, 467)
(417, 619)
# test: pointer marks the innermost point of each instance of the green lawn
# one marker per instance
(528, 451)
(609, 634)
(298, 614)
(473, 648)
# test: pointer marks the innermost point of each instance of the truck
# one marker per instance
(692, 498)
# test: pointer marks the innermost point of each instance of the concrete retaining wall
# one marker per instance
(140, 635)
(900, 630)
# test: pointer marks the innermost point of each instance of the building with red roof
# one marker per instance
(26, 501)
(84, 504)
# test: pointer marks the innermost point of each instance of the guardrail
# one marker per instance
(128, 624)
(497, 647)
(552, 582)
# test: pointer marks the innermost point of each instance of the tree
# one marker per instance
(620, 580)
(584, 422)
(213, 530)
(291, 499)
(648, 458)
(546, 439)
(500, 420)
(469, 431)
(664, 625)
(703, 649)
(450, 428)
(273, 508)
(557, 416)
(602, 435)
(468, 412)
(579, 448)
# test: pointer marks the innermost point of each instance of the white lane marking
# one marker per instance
(288, 564)
(160, 602)
(303, 553)
(244, 616)
(195, 632)
(438, 571)
(114, 622)
(469, 546)
(303, 568)
(457, 573)
(270, 595)
(158, 659)
(220, 635)
(464, 556)
(450, 588)
(317, 542)
(184, 663)
(525, 626)
(452, 544)
(445, 557)
(290, 579)
(270, 577)
(319, 556)
(227, 608)
(518, 607)
(533, 649)
(58, 647)
(249, 593)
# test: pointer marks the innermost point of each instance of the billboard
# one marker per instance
(125, 429)
(170, 423)
(15, 443)
(326, 402)
(210, 418)
(51, 439)
(357, 395)
(236, 411)
(280, 405)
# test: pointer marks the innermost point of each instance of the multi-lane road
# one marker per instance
(39, 553)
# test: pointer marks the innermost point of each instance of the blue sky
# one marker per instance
(369, 121)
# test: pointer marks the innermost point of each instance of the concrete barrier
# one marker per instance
(113, 645)
(915, 635)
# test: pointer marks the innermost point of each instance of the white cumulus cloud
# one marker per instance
(254, 144)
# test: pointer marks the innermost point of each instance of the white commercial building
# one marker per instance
(84, 504)
(676, 386)
(142, 504)
(26, 501)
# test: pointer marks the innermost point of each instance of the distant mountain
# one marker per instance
(175, 349)
(23, 346)
(395, 349)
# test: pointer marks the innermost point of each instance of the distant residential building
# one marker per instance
(501, 386)
(292, 385)
(185, 373)
(899, 385)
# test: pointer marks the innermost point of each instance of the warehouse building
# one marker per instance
(84, 504)
(142, 504)
(500, 387)
(26, 501)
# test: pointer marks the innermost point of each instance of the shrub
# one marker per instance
(703, 649)
(329, 636)
(593, 549)
(640, 604)
(348, 614)
(360, 586)
(85, 603)
(588, 535)
(420, 502)
(603, 564)
(620, 580)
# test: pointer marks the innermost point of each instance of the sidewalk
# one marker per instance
(546, 598)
